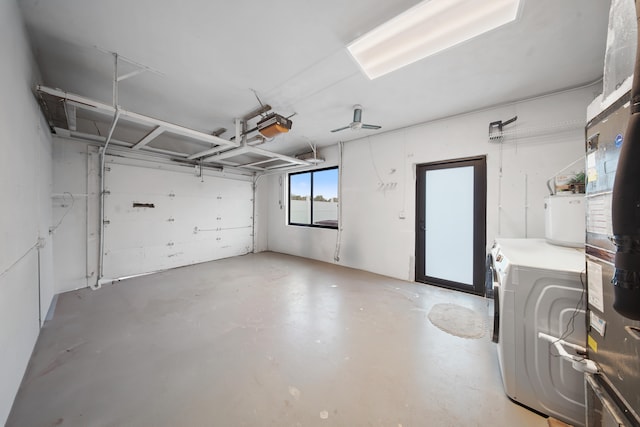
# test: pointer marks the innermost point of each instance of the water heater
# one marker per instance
(564, 219)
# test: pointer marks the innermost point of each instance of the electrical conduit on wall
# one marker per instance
(336, 255)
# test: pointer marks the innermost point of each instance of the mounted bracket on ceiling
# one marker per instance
(242, 122)
(495, 128)
(311, 156)
(219, 131)
(138, 68)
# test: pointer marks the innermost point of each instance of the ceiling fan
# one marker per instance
(357, 121)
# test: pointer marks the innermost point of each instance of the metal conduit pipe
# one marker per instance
(103, 153)
(253, 215)
(336, 254)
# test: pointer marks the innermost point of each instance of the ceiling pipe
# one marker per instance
(115, 81)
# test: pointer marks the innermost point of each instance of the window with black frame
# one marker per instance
(313, 198)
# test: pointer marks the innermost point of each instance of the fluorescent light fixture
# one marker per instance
(428, 28)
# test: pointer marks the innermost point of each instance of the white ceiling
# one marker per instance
(208, 56)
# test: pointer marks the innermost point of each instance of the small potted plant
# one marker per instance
(577, 183)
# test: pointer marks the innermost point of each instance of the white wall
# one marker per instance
(378, 181)
(262, 203)
(71, 200)
(26, 271)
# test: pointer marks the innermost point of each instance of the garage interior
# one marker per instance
(150, 272)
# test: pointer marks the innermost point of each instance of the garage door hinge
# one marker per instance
(107, 169)
(106, 221)
(106, 192)
(171, 220)
(172, 195)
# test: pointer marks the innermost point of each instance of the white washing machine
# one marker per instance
(539, 288)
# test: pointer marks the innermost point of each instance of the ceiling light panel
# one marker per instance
(428, 28)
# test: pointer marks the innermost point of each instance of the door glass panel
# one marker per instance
(449, 204)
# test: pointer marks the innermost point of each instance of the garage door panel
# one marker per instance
(122, 207)
(178, 219)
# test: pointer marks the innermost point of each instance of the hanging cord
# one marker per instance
(73, 201)
(255, 92)
(570, 326)
(381, 184)
(38, 243)
(336, 255)
(313, 149)
(373, 162)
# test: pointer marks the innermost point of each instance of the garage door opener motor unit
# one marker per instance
(274, 124)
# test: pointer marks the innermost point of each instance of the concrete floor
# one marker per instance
(262, 340)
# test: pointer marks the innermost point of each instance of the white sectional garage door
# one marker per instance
(159, 219)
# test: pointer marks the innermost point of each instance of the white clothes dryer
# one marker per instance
(540, 287)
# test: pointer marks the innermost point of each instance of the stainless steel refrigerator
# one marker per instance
(613, 394)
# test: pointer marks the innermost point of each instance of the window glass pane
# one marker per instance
(300, 198)
(325, 197)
